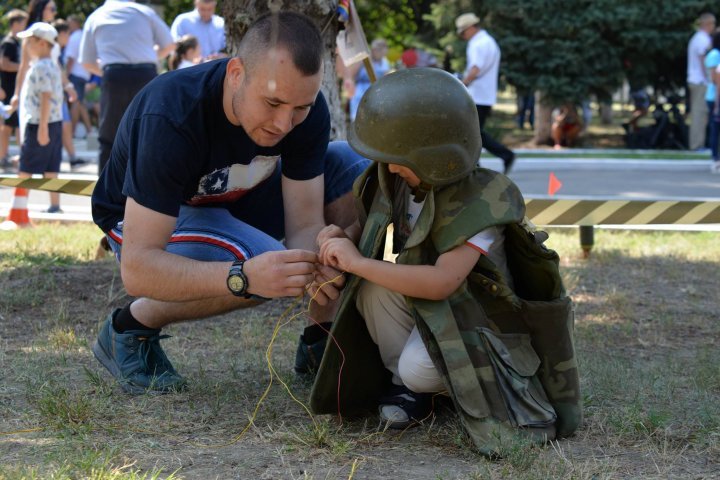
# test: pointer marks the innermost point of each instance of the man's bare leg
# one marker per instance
(157, 314)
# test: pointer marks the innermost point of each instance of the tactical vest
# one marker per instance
(506, 356)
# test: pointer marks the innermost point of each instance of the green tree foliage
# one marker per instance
(573, 48)
(653, 35)
(394, 20)
(570, 49)
(560, 48)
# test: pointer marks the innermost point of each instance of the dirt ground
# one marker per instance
(644, 323)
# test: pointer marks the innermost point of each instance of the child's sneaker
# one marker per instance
(53, 209)
(401, 408)
(76, 163)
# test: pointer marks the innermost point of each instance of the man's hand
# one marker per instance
(340, 253)
(283, 273)
(327, 285)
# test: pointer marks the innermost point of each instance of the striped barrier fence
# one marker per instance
(70, 186)
(584, 212)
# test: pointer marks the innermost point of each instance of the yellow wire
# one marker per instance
(23, 430)
(273, 374)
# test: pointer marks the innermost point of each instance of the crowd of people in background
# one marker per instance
(101, 68)
(101, 74)
(105, 67)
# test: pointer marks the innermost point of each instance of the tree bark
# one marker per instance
(239, 14)
(543, 120)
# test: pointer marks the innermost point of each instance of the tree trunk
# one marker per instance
(543, 120)
(606, 113)
(239, 14)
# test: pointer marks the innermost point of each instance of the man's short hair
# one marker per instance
(706, 18)
(292, 31)
(16, 15)
(75, 18)
(61, 25)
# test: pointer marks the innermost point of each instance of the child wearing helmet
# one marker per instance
(445, 316)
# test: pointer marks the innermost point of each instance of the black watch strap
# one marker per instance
(237, 281)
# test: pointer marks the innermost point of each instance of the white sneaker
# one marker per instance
(715, 167)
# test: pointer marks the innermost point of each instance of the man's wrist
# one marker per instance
(237, 281)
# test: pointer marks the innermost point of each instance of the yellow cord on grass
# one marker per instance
(273, 373)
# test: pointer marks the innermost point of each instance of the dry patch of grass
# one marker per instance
(646, 331)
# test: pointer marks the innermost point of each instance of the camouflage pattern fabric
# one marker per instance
(506, 356)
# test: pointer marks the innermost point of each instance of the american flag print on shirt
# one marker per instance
(228, 184)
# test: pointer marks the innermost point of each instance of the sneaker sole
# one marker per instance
(107, 362)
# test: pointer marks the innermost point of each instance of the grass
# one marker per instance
(646, 331)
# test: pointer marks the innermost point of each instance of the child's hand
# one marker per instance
(331, 231)
(339, 253)
(43, 137)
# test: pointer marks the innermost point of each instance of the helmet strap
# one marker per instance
(420, 192)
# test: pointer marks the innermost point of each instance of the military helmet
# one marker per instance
(420, 118)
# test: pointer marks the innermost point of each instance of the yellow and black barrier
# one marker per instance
(70, 186)
(583, 212)
(587, 213)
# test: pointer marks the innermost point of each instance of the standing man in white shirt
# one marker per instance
(481, 78)
(119, 44)
(697, 80)
(203, 24)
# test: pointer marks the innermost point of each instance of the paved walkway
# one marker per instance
(583, 173)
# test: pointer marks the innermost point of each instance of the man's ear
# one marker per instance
(235, 71)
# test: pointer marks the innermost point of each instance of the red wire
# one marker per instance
(342, 363)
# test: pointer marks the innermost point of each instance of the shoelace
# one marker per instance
(151, 345)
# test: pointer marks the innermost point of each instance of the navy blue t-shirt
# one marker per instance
(176, 146)
(10, 49)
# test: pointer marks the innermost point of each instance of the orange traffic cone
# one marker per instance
(18, 216)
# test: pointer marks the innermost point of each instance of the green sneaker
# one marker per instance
(136, 359)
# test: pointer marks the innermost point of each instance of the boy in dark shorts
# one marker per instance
(41, 101)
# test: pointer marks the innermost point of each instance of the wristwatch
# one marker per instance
(237, 281)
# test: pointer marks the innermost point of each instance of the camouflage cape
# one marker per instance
(506, 356)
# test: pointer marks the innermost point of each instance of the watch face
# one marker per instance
(236, 283)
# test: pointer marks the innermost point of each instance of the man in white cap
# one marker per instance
(481, 78)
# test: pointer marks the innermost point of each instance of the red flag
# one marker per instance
(553, 184)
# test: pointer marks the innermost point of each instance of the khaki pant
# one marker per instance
(392, 328)
(698, 115)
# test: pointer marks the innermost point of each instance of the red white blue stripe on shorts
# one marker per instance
(235, 248)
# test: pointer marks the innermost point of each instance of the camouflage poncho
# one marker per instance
(507, 357)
